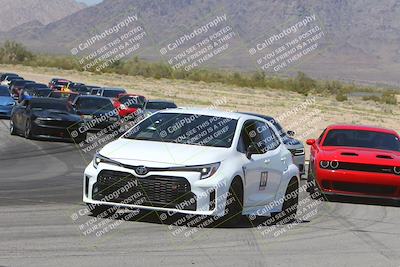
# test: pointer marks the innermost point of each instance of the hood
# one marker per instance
(56, 115)
(94, 112)
(292, 143)
(160, 154)
(361, 155)
(4, 100)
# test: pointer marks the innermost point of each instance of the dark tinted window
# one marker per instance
(270, 139)
(112, 93)
(94, 104)
(61, 83)
(35, 85)
(49, 105)
(250, 136)
(18, 82)
(360, 138)
(186, 129)
(160, 105)
(59, 95)
(42, 92)
(80, 89)
(8, 75)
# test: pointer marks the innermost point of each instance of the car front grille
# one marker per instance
(61, 124)
(380, 190)
(154, 190)
(365, 167)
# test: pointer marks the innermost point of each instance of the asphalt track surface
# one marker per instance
(41, 189)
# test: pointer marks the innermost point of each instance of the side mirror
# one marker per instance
(310, 142)
(251, 150)
(291, 133)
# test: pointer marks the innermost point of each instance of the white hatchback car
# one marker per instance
(195, 161)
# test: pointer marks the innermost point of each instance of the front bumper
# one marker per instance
(299, 161)
(357, 183)
(56, 132)
(171, 192)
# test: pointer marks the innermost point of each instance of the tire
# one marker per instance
(101, 210)
(310, 179)
(12, 128)
(313, 189)
(234, 204)
(289, 207)
(28, 129)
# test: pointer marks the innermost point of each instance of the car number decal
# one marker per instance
(263, 180)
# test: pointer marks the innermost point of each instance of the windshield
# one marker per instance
(43, 92)
(61, 83)
(191, 129)
(59, 95)
(160, 105)
(35, 86)
(360, 138)
(112, 93)
(49, 105)
(94, 104)
(4, 91)
(81, 89)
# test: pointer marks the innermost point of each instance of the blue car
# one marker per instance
(7, 102)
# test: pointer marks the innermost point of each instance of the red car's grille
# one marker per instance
(365, 167)
(380, 190)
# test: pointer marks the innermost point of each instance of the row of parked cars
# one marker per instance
(56, 110)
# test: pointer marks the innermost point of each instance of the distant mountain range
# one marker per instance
(39, 12)
(360, 42)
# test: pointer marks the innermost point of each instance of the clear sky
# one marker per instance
(90, 2)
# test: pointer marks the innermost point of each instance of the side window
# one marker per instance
(269, 138)
(251, 135)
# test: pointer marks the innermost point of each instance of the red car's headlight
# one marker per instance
(396, 170)
(324, 164)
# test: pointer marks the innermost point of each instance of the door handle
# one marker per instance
(267, 161)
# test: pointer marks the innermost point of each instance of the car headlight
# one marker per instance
(206, 171)
(297, 152)
(122, 106)
(97, 159)
(324, 164)
(332, 165)
(396, 170)
(11, 104)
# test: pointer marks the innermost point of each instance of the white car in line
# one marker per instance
(197, 161)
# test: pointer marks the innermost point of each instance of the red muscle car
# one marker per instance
(356, 161)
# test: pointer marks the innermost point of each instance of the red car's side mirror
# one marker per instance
(310, 142)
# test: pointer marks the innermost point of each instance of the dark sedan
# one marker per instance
(46, 118)
(98, 113)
